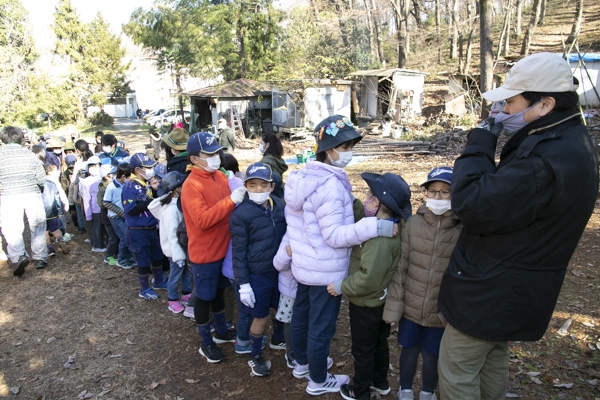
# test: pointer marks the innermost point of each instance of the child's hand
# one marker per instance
(395, 230)
(288, 250)
(153, 183)
(331, 288)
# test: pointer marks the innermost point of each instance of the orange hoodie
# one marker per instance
(206, 208)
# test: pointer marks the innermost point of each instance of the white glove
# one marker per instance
(247, 295)
(181, 263)
(238, 195)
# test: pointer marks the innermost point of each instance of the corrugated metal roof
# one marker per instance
(386, 72)
(239, 88)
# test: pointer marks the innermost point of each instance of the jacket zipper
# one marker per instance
(435, 240)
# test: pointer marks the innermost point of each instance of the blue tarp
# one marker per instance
(589, 57)
(355, 160)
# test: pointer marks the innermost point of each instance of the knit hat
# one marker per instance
(170, 182)
(259, 171)
(177, 139)
(443, 174)
(392, 191)
(203, 142)
(333, 131)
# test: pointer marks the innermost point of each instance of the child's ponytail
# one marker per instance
(167, 199)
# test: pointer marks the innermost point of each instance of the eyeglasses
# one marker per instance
(444, 193)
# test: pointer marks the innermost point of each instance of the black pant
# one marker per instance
(112, 249)
(96, 231)
(369, 348)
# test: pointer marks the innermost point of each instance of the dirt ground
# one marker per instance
(122, 346)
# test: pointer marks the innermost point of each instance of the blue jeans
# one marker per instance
(80, 217)
(244, 320)
(118, 225)
(313, 326)
(178, 274)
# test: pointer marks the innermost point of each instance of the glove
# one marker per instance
(247, 295)
(385, 228)
(489, 124)
(238, 195)
(181, 263)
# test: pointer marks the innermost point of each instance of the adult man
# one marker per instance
(522, 221)
(21, 177)
(226, 136)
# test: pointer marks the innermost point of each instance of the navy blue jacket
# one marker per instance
(135, 200)
(255, 237)
(115, 158)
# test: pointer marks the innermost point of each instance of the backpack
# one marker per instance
(182, 236)
(51, 199)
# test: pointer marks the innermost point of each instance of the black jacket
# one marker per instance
(522, 221)
(255, 238)
(178, 163)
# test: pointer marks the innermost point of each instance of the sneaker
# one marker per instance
(332, 384)
(247, 349)
(184, 299)
(62, 245)
(175, 307)
(347, 392)
(211, 352)
(383, 390)
(67, 237)
(51, 250)
(301, 371)
(159, 286)
(258, 365)
(228, 337)
(98, 249)
(427, 396)
(189, 312)
(132, 261)
(149, 294)
(110, 260)
(289, 360)
(406, 394)
(87, 240)
(277, 345)
(18, 268)
(124, 264)
(40, 264)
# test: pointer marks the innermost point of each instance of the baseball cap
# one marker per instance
(333, 131)
(392, 191)
(160, 170)
(70, 159)
(140, 160)
(443, 174)
(259, 171)
(541, 72)
(203, 142)
(107, 169)
(170, 182)
(93, 160)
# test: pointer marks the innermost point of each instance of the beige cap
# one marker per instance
(541, 72)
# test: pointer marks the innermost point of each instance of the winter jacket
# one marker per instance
(115, 158)
(522, 221)
(88, 187)
(278, 166)
(100, 199)
(227, 140)
(255, 237)
(136, 195)
(112, 199)
(321, 226)
(207, 206)
(51, 199)
(179, 163)
(427, 242)
(52, 158)
(169, 218)
(287, 284)
(227, 269)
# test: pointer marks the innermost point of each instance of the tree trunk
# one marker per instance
(400, 14)
(486, 62)
(241, 34)
(417, 13)
(454, 21)
(438, 32)
(533, 22)
(180, 96)
(405, 15)
(372, 40)
(577, 23)
(343, 29)
(378, 38)
(505, 32)
(543, 11)
(518, 23)
(508, 20)
(469, 51)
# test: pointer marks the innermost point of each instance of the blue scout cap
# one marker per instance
(170, 182)
(203, 142)
(259, 171)
(160, 170)
(140, 160)
(443, 174)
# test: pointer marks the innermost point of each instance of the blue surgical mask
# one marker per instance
(513, 122)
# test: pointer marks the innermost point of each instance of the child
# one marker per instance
(427, 242)
(165, 210)
(372, 265)
(88, 187)
(257, 227)
(65, 181)
(54, 203)
(141, 235)
(112, 249)
(321, 232)
(112, 201)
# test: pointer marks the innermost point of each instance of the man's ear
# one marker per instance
(548, 104)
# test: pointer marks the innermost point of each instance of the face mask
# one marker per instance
(214, 163)
(98, 141)
(262, 147)
(93, 171)
(513, 122)
(107, 149)
(259, 198)
(344, 158)
(57, 151)
(438, 207)
(370, 212)
(148, 174)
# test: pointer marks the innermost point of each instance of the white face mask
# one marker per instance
(214, 163)
(344, 158)
(262, 147)
(148, 174)
(259, 198)
(57, 151)
(94, 171)
(438, 207)
(107, 149)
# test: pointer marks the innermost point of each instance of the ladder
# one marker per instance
(236, 126)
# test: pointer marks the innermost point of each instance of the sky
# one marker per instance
(116, 12)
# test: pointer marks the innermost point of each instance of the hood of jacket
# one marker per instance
(303, 183)
(276, 164)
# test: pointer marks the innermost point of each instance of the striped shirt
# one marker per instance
(21, 171)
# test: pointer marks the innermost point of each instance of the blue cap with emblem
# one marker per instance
(140, 160)
(259, 171)
(443, 174)
(203, 142)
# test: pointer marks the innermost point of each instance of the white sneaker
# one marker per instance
(301, 371)
(331, 385)
(87, 241)
(189, 312)
(98, 250)
(427, 396)
(406, 394)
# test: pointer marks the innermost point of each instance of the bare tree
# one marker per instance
(505, 35)
(454, 20)
(377, 26)
(486, 62)
(438, 33)
(577, 23)
(471, 11)
(372, 38)
(401, 12)
(518, 22)
(543, 11)
(533, 22)
(417, 13)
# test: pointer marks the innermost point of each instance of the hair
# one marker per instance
(11, 134)
(230, 163)
(321, 156)
(99, 133)
(123, 169)
(565, 101)
(84, 148)
(385, 209)
(49, 168)
(275, 148)
(168, 153)
(40, 152)
(108, 140)
(192, 154)
(167, 199)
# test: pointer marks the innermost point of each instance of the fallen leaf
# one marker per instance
(80, 395)
(589, 324)
(19, 344)
(535, 380)
(563, 330)
(564, 385)
(340, 364)
(162, 381)
(15, 389)
(50, 340)
(512, 396)
(576, 272)
(593, 382)
(88, 395)
(50, 297)
(70, 361)
(153, 385)
(115, 356)
(102, 393)
(235, 392)
(112, 335)
(129, 341)
(533, 373)
(192, 381)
